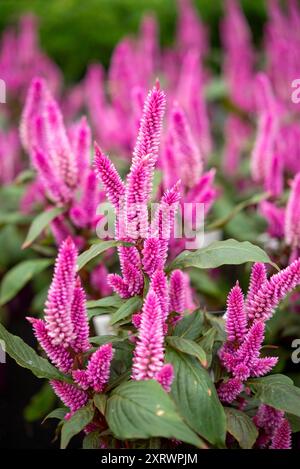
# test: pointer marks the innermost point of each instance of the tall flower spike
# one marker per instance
(59, 356)
(187, 153)
(268, 296)
(177, 291)
(82, 147)
(60, 145)
(152, 260)
(282, 438)
(249, 351)
(150, 127)
(236, 320)
(159, 285)
(257, 278)
(61, 295)
(98, 368)
(70, 395)
(107, 173)
(292, 215)
(79, 319)
(149, 351)
(53, 185)
(274, 175)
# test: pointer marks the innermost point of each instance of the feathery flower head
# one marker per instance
(230, 389)
(165, 376)
(149, 352)
(70, 395)
(236, 319)
(292, 215)
(282, 438)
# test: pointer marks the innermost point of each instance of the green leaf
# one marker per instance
(26, 357)
(18, 276)
(196, 398)
(100, 402)
(277, 391)
(294, 422)
(229, 252)
(40, 403)
(76, 424)
(40, 223)
(142, 410)
(131, 306)
(108, 302)
(56, 414)
(105, 339)
(241, 427)
(190, 326)
(14, 218)
(91, 440)
(94, 251)
(189, 347)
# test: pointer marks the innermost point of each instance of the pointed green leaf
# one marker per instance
(277, 391)
(76, 424)
(26, 357)
(229, 252)
(131, 306)
(18, 276)
(189, 327)
(142, 410)
(241, 427)
(40, 223)
(56, 414)
(188, 346)
(94, 251)
(196, 397)
(91, 440)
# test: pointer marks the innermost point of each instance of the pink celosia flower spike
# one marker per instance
(165, 377)
(97, 373)
(257, 278)
(59, 356)
(187, 153)
(82, 147)
(107, 173)
(236, 320)
(150, 127)
(282, 436)
(70, 395)
(34, 105)
(230, 389)
(177, 291)
(159, 285)
(79, 319)
(292, 216)
(268, 296)
(149, 351)
(61, 295)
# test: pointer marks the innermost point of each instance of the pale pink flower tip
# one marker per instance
(236, 319)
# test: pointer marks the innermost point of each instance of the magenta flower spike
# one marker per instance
(275, 217)
(79, 319)
(107, 173)
(54, 186)
(268, 418)
(187, 153)
(268, 296)
(150, 127)
(292, 215)
(82, 147)
(191, 33)
(230, 389)
(177, 291)
(159, 285)
(149, 352)
(59, 144)
(257, 278)
(119, 286)
(98, 368)
(236, 319)
(274, 175)
(35, 103)
(61, 296)
(58, 354)
(165, 377)
(152, 259)
(282, 438)
(70, 395)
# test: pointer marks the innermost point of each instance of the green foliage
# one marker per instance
(142, 409)
(76, 423)
(229, 252)
(241, 427)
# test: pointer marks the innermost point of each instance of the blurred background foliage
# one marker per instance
(75, 32)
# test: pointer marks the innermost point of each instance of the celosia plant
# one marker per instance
(134, 336)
